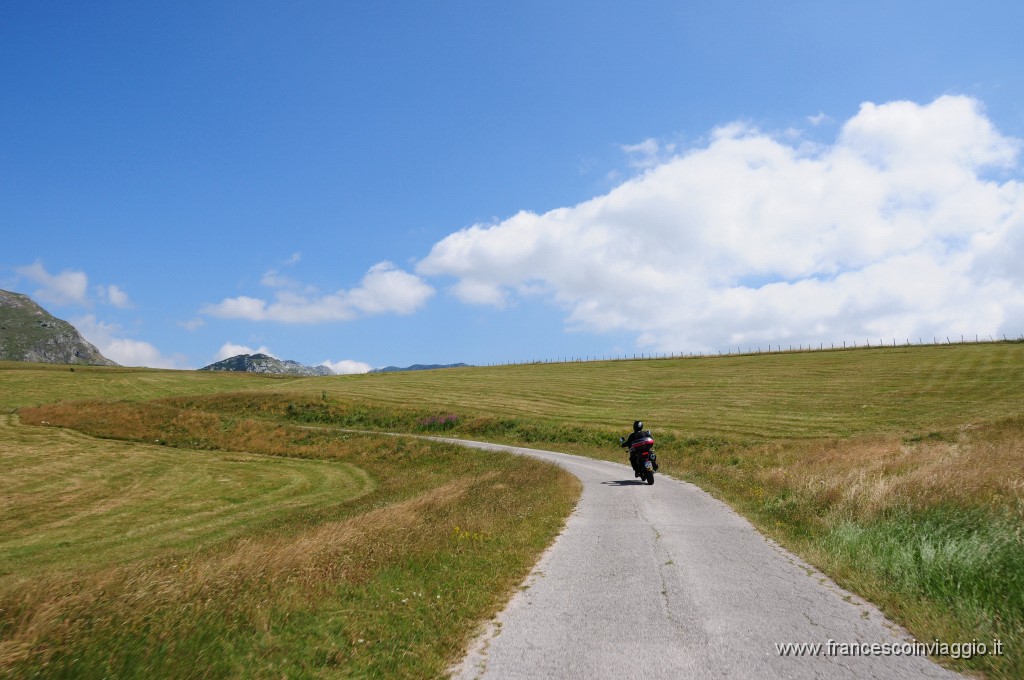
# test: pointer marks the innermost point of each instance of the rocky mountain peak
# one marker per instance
(30, 333)
(263, 363)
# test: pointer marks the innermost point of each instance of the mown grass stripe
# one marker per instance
(380, 586)
(112, 498)
(790, 395)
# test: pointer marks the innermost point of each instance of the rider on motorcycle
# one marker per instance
(639, 433)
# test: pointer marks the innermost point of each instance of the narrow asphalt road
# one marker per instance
(664, 581)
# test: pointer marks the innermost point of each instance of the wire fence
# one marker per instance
(775, 348)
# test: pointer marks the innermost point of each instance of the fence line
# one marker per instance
(770, 349)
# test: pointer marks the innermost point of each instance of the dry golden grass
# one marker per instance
(70, 499)
(864, 477)
(307, 565)
(389, 584)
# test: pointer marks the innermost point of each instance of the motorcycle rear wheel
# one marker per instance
(650, 477)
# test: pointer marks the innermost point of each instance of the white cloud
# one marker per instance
(230, 349)
(192, 324)
(387, 289)
(347, 366)
(70, 287)
(897, 229)
(67, 287)
(294, 258)
(242, 307)
(117, 297)
(647, 153)
(273, 279)
(384, 289)
(125, 351)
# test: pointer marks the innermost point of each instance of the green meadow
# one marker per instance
(897, 471)
(156, 541)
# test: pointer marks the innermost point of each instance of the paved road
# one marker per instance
(667, 582)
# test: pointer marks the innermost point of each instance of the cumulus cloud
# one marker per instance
(347, 366)
(384, 289)
(230, 349)
(910, 224)
(115, 296)
(68, 287)
(273, 279)
(109, 339)
(647, 153)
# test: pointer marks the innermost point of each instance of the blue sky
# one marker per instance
(397, 182)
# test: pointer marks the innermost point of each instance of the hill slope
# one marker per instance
(30, 333)
(896, 390)
(417, 367)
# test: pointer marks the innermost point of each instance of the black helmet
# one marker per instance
(637, 425)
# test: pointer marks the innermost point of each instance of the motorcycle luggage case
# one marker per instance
(643, 444)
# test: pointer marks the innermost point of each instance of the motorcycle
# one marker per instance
(642, 457)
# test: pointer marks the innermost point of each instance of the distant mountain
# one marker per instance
(30, 333)
(416, 367)
(261, 363)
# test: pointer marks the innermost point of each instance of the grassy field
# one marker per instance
(196, 544)
(33, 384)
(98, 502)
(778, 396)
(898, 471)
